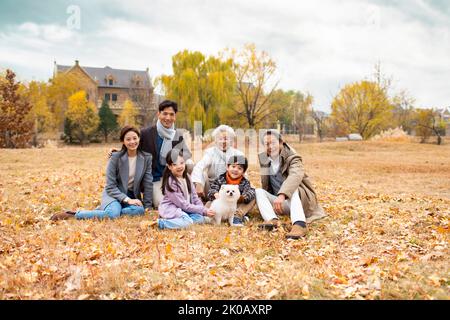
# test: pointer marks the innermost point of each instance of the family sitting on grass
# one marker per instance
(154, 169)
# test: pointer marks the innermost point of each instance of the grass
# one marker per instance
(386, 236)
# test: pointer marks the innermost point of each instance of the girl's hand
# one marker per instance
(216, 195)
(135, 202)
(210, 213)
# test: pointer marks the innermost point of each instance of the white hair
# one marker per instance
(223, 128)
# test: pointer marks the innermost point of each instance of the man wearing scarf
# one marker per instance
(159, 140)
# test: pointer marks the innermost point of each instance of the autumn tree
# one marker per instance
(428, 123)
(108, 121)
(42, 117)
(363, 107)
(16, 128)
(82, 117)
(320, 118)
(129, 114)
(403, 113)
(282, 110)
(254, 72)
(201, 85)
(301, 106)
(60, 88)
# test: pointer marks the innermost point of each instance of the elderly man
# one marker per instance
(286, 188)
(214, 161)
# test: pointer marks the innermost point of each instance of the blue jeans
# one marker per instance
(182, 222)
(113, 210)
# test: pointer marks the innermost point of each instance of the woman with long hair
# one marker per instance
(129, 173)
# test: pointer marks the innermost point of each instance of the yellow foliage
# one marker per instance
(43, 118)
(362, 107)
(201, 86)
(129, 114)
(62, 86)
(83, 116)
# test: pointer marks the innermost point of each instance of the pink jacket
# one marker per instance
(174, 203)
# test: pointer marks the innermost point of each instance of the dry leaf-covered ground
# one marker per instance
(386, 236)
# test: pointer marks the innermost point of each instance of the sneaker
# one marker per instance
(296, 232)
(63, 216)
(270, 225)
(237, 222)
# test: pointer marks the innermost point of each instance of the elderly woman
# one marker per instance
(214, 161)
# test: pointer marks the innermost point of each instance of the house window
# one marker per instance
(114, 97)
(87, 96)
(138, 83)
(110, 82)
(107, 96)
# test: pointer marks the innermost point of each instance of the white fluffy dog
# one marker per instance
(225, 206)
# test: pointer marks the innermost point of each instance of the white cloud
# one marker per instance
(318, 46)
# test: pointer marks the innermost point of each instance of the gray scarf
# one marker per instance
(167, 135)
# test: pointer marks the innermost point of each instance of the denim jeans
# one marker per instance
(113, 210)
(185, 220)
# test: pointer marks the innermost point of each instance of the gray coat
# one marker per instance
(117, 179)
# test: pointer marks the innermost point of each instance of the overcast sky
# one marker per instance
(319, 46)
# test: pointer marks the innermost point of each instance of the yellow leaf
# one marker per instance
(272, 294)
(305, 291)
(168, 248)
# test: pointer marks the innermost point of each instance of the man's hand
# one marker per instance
(110, 152)
(210, 213)
(135, 202)
(199, 190)
(278, 203)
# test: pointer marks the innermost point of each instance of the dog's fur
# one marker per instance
(225, 206)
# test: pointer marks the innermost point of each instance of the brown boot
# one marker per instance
(270, 225)
(297, 232)
(317, 215)
(63, 216)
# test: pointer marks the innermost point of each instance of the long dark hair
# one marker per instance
(123, 132)
(171, 158)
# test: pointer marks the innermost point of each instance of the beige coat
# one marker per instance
(294, 177)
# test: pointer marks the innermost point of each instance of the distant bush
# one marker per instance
(393, 135)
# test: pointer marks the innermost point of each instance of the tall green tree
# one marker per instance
(108, 122)
(201, 85)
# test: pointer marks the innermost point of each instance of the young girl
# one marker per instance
(180, 207)
(128, 174)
